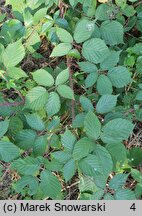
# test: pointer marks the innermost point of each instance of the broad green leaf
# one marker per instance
(91, 79)
(121, 3)
(116, 130)
(36, 98)
(74, 53)
(83, 30)
(64, 35)
(61, 49)
(40, 146)
(26, 166)
(35, 122)
(139, 95)
(65, 91)
(89, 165)
(82, 148)
(108, 196)
(25, 139)
(118, 181)
(86, 104)
(3, 127)
(117, 152)
(112, 32)
(87, 184)
(124, 194)
(92, 125)
(30, 183)
(68, 140)
(42, 77)
(137, 175)
(53, 104)
(87, 67)
(62, 77)
(95, 50)
(105, 159)
(50, 185)
(8, 151)
(106, 103)
(16, 73)
(103, 12)
(135, 156)
(61, 156)
(69, 170)
(119, 76)
(39, 15)
(13, 54)
(111, 60)
(104, 85)
(78, 121)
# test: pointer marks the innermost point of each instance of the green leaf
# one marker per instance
(82, 148)
(111, 60)
(87, 67)
(119, 76)
(117, 152)
(121, 3)
(78, 121)
(62, 77)
(95, 50)
(106, 103)
(86, 104)
(64, 36)
(124, 194)
(68, 140)
(118, 181)
(139, 95)
(3, 127)
(26, 166)
(8, 151)
(135, 156)
(92, 125)
(36, 98)
(89, 165)
(65, 91)
(25, 139)
(112, 32)
(104, 85)
(61, 156)
(103, 12)
(42, 77)
(40, 146)
(83, 30)
(116, 130)
(61, 49)
(13, 54)
(87, 184)
(69, 170)
(50, 185)
(91, 79)
(30, 183)
(35, 122)
(74, 53)
(39, 15)
(53, 104)
(16, 73)
(105, 159)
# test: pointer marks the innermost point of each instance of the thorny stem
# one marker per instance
(69, 64)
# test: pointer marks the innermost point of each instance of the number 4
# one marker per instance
(133, 207)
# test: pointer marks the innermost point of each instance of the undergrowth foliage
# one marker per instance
(70, 98)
